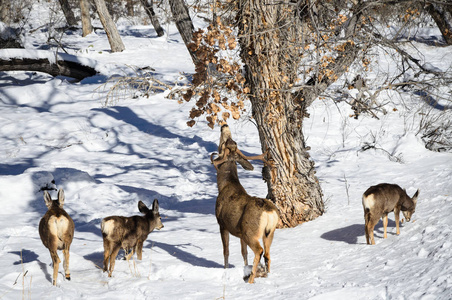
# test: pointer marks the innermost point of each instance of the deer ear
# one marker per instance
(61, 197)
(142, 207)
(245, 164)
(415, 196)
(47, 199)
(155, 206)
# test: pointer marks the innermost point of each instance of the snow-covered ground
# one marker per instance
(108, 158)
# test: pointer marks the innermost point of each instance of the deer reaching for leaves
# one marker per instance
(246, 217)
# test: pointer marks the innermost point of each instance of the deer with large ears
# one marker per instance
(128, 233)
(246, 217)
(56, 230)
(381, 199)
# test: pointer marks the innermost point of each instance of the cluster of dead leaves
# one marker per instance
(218, 84)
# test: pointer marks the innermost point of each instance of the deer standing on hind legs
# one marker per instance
(381, 199)
(246, 217)
(56, 230)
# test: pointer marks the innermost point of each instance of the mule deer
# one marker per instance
(128, 233)
(56, 230)
(246, 217)
(381, 199)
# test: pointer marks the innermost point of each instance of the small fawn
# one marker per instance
(128, 233)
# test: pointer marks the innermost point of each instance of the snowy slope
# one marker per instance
(109, 158)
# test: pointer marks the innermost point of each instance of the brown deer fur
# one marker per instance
(128, 233)
(56, 230)
(246, 217)
(381, 199)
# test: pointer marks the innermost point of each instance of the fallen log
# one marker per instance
(45, 61)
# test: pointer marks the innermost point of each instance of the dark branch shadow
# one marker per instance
(129, 116)
(431, 101)
(26, 256)
(186, 256)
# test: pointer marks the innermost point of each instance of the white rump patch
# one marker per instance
(108, 226)
(270, 219)
(58, 227)
(369, 201)
(62, 226)
(53, 225)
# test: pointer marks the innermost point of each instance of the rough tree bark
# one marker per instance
(271, 36)
(87, 27)
(5, 10)
(184, 24)
(148, 7)
(69, 15)
(271, 62)
(110, 28)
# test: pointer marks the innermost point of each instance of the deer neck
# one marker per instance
(227, 174)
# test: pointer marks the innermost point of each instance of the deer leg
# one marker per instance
(257, 249)
(370, 224)
(66, 262)
(56, 262)
(139, 250)
(397, 215)
(366, 229)
(385, 225)
(267, 243)
(244, 251)
(225, 240)
(107, 253)
(113, 255)
(129, 253)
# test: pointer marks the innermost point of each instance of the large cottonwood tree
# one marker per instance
(272, 52)
(291, 52)
(271, 56)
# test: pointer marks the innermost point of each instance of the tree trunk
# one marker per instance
(151, 13)
(129, 7)
(110, 28)
(184, 24)
(271, 64)
(441, 21)
(87, 28)
(70, 19)
(5, 11)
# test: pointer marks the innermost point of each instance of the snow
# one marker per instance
(57, 134)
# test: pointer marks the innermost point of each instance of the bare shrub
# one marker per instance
(138, 84)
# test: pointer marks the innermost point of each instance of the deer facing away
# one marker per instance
(56, 230)
(128, 233)
(246, 217)
(381, 199)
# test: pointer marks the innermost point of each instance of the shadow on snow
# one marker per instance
(350, 234)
